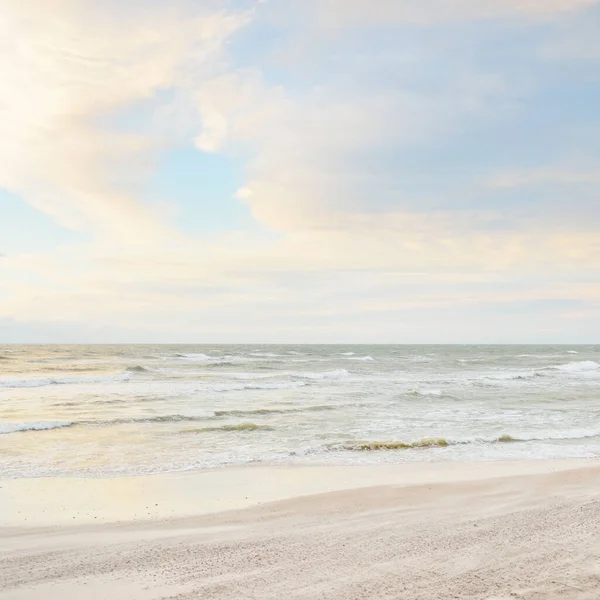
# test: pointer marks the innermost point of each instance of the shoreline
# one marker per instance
(66, 501)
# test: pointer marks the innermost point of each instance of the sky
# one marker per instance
(289, 171)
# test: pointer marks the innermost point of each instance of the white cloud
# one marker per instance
(307, 150)
(67, 69)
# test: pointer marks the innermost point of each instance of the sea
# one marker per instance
(123, 410)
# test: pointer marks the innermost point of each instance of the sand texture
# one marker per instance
(533, 536)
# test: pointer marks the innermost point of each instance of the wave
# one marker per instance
(138, 369)
(554, 436)
(346, 353)
(425, 443)
(205, 358)
(193, 356)
(365, 358)
(273, 411)
(113, 401)
(572, 367)
(419, 358)
(229, 428)
(36, 426)
(509, 376)
(572, 352)
(578, 367)
(228, 359)
(286, 385)
(377, 446)
(425, 393)
(85, 403)
(42, 426)
(158, 419)
(44, 381)
(335, 375)
(252, 375)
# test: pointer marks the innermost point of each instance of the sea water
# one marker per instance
(125, 410)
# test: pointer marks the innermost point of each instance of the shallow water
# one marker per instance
(108, 410)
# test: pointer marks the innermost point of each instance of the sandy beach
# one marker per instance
(528, 529)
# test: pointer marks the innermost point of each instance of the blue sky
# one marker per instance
(300, 171)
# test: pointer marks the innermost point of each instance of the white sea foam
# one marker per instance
(419, 359)
(365, 358)
(334, 375)
(426, 392)
(578, 367)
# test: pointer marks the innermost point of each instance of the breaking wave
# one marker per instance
(425, 443)
(334, 375)
(578, 367)
(209, 360)
(376, 446)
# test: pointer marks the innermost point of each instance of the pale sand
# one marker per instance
(470, 531)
